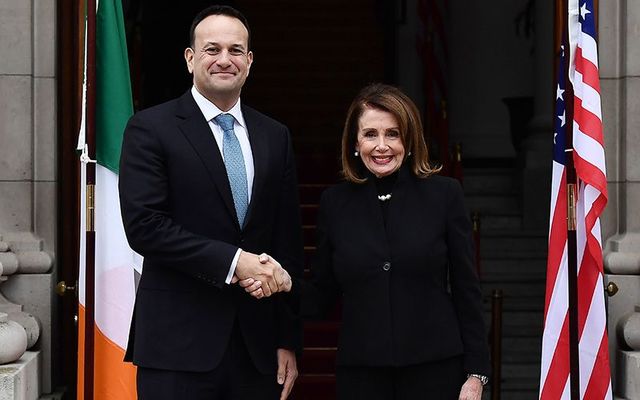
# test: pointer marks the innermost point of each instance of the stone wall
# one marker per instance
(28, 176)
(619, 77)
(28, 118)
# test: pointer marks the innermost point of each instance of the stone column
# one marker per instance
(620, 82)
(28, 153)
(538, 146)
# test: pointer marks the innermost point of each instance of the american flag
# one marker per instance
(589, 161)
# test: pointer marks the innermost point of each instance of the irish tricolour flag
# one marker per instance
(115, 262)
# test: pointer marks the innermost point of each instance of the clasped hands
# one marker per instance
(261, 275)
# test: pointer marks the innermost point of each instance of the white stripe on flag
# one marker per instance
(115, 287)
(589, 48)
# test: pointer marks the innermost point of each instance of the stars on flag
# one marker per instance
(559, 93)
(584, 11)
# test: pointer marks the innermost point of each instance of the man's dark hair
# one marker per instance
(218, 10)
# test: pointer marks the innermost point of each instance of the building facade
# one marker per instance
(34, 227)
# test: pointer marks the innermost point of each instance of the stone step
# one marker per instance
(512, 246)
(493, 204)
(309, 214)
(521, 350)
(318, 360)
(309, 235)
(314, 387)
(496, 252)
(511, 290)
(321, 334)
(518, 394)
(310, 192)
(520, 376)
(514, 304)
(519, 323)
(513, 269)
(497, 221)
(489, 181)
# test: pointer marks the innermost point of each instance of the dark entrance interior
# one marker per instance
(310, 59)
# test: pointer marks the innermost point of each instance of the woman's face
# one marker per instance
(379, 142)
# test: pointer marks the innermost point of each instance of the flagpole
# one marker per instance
(572, 248)
(91, 180)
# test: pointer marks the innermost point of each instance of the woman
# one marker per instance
(394, 241)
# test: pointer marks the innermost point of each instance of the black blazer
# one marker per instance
(178, 213)
(409, 291)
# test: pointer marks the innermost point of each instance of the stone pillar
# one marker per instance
(538, 145)
(620, 81)
(28, 157)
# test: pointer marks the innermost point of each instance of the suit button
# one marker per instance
(386, 266)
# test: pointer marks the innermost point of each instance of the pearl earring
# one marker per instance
(356, 153)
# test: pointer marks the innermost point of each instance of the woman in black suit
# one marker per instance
(394, 241)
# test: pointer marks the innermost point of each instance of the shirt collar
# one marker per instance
(210, 110)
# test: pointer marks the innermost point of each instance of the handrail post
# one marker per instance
(475, 219)
(496, 343)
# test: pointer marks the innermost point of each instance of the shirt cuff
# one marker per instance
(234, 264)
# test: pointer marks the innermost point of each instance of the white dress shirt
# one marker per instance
(210, 111)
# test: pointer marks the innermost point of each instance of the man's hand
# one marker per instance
(261, 275)
(287, 371)
(471, 390)
(254, 287)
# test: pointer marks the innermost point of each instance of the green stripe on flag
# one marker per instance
(114, 105)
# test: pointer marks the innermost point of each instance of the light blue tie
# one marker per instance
(234, 162)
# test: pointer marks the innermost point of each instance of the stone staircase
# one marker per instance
(513, 259)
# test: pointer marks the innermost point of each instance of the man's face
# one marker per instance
(220, 59)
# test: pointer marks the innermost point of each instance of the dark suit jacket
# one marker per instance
(409, 292)
(178, 213)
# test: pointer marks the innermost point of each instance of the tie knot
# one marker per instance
(225, 121)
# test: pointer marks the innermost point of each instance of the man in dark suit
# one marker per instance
(207, 189)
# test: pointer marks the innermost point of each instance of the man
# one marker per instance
(207, 184)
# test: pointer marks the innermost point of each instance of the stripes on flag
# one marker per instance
(115, 263)
(589, 161)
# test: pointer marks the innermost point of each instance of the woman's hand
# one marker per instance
(254, 286)
(471, 390)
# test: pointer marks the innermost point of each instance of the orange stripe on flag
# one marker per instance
(80, 369)
(114, 379)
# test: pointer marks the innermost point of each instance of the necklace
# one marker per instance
(384, 197)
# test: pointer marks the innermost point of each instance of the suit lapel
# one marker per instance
(198, 133)
(260, 151)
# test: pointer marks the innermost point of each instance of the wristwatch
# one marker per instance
(483, 379)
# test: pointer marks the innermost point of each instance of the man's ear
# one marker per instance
(188, 57)
(249, 60)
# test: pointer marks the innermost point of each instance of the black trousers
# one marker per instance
(440, 380)
(235, 378)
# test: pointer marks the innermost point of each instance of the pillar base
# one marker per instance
(20, 380)
(628, 367)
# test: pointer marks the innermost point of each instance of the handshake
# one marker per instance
(260, 275)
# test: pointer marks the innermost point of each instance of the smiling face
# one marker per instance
(219, 59)
(379, 142)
